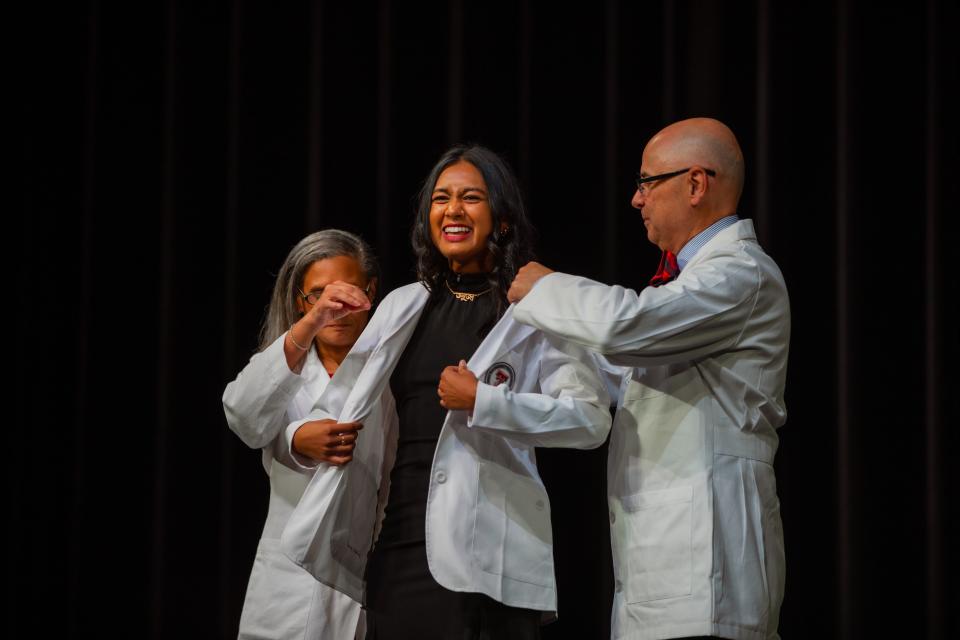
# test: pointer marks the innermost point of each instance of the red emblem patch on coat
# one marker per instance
(500, 373)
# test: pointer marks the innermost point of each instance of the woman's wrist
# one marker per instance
(301, 334)
(297, 345)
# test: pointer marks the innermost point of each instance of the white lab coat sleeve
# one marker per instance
(256, 402)
(612, 377)
(702, 312)
(572, 409)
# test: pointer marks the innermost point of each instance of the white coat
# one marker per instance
(695, 519)
(283, 600)
(488, 516)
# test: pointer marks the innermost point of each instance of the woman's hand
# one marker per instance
(337, 300)
(327, 441)
(458, 388)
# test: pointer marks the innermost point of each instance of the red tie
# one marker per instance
(667, 270)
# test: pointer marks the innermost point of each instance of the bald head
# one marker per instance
(707, 143)
(682, 196)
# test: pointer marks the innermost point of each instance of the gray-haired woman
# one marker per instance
(320, 305)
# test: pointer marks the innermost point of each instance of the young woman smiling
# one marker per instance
(464, 548)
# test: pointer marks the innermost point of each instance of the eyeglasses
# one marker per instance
(642, 180)
(314, 296)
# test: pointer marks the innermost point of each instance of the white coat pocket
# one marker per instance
(658, 544)
(279, 595)
(513, 537)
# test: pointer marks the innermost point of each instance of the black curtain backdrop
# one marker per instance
(167, 154)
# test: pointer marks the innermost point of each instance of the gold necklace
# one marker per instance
(463, 296)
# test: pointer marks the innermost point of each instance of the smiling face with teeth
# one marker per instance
(460, 218)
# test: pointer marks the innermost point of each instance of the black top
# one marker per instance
(449, 330)
(400, 587)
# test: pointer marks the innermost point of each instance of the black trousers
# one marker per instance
(404, 601)
(455, 616)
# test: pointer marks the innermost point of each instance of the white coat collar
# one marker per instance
(313, 367)
(740, 230)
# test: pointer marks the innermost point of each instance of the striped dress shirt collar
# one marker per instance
(690, 249)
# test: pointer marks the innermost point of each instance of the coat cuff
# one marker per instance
(300, 461)
(489, 404)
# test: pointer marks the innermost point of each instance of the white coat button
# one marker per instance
(440, 477)
(540, 505)
(613, 517)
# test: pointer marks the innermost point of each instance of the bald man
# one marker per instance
(694, 514)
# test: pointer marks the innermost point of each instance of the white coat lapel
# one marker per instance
(374, 374)
(502, 339)
(392, 323)
(316, 380)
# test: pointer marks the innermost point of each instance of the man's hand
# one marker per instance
(327, 441)
(458, 388)
(528, 276)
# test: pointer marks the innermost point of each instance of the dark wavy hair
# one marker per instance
(510, 250)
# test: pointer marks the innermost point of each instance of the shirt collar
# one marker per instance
(690, 249)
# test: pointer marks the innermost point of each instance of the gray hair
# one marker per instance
(329, 243)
